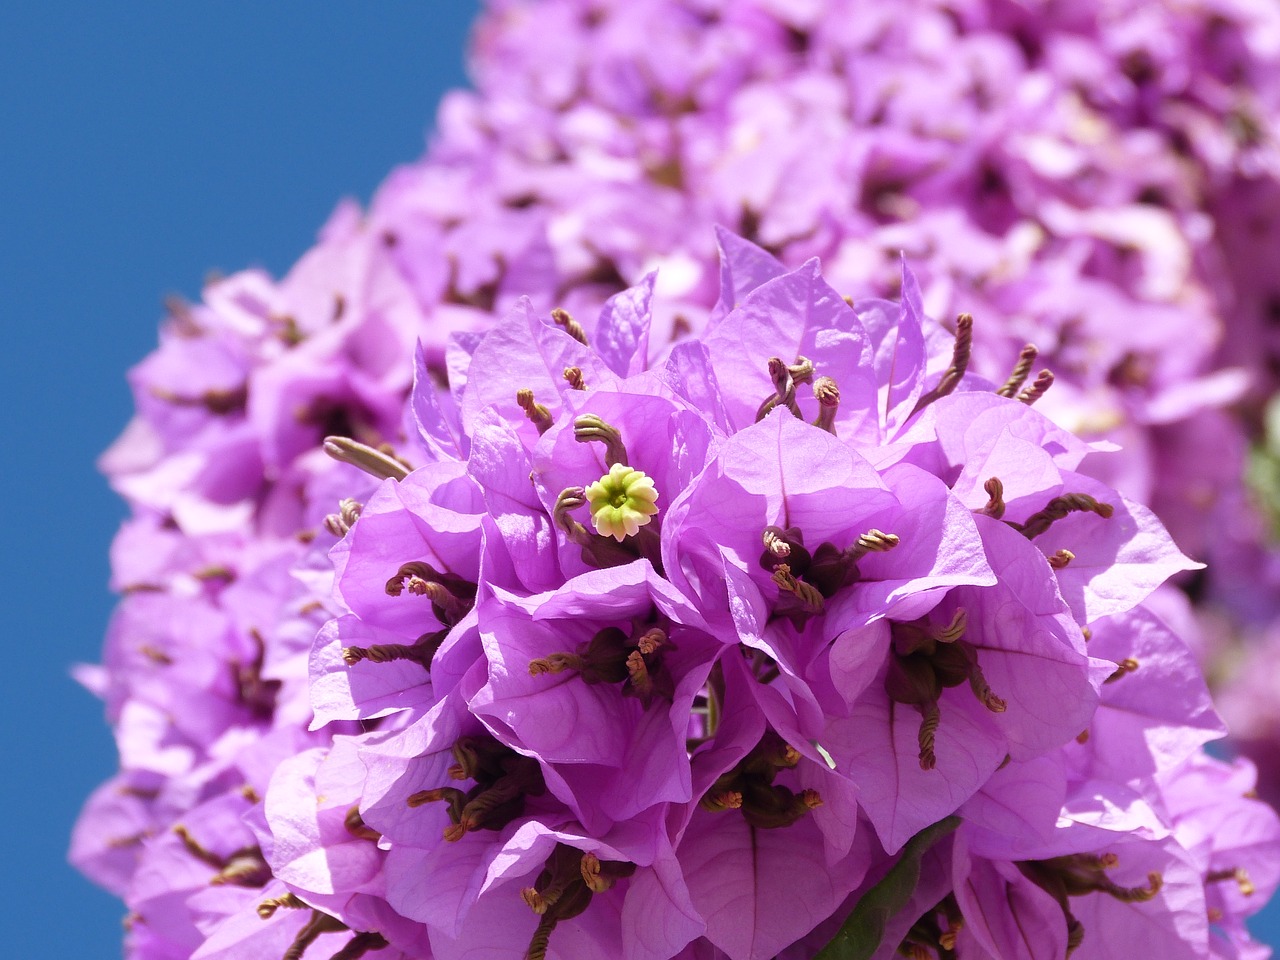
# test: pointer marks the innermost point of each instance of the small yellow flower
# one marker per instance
(622, 501)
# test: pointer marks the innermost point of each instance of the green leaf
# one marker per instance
(861, 934)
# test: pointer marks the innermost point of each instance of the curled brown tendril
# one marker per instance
(538, 415)
(1039, 387)
(995, 498)
(932, 716)
(809, 596)
(451, 597)
(421, 652)
(1060, 507)
(952, 376)
(573, 377)
(312, 930)
(340, 523)
(267, 908)
(244, 868)
(1021, 370)
(569, 325)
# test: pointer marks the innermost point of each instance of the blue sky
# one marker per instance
(146, 143)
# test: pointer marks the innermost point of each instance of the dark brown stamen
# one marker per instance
(132, 840)
(1127, 665)
(142, 793)
(982, 690)
(1041, 385)
(828, 396)
(1060, 507)
(538, 415)
(811, 600)
(455, 798)
(931, 716)
(421, 652)
(995, 498)
(569, 325)
(573, 377)
(750, 787)
(776, 544)
(451, 597)
(356, 826)
(359, 945)
(541, 939)
(562, 872)
(952, 376)
(245, 868)
(571, 498)
(1155, 883)
(649, 641)
(267, 908)
(638, 673)
(319, 924)
(1098, 861)
(598, 551)
(1021, 370)
(194, 848)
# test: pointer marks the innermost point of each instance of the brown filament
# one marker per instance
(1039, 387)
(932, 715)
(1021, 370)
(569, 325)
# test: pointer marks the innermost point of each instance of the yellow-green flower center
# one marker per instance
(622, 501)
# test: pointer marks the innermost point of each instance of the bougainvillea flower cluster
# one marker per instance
(656, 613)
(670, 650)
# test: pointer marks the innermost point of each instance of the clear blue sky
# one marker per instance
(145, 143)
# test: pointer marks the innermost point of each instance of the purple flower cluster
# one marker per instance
(665, 643)
(551, 720)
